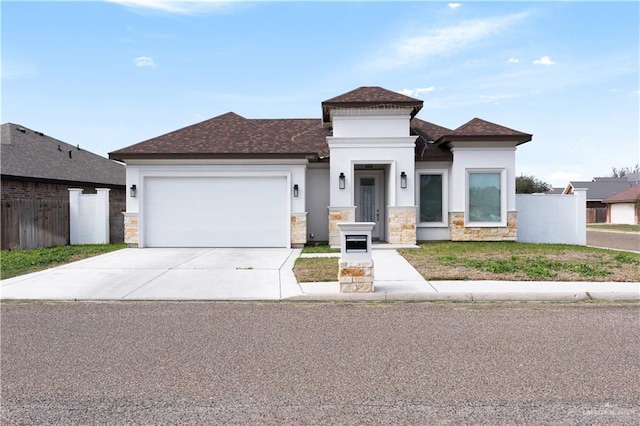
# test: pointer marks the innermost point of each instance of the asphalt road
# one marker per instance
(614, 240)
(315, 363)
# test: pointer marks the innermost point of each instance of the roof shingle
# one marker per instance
(29, 154)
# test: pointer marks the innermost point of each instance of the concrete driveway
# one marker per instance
(165, 273)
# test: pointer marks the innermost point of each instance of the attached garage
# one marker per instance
(221, 211)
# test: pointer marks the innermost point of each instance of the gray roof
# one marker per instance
(600, 189)
(27, 153)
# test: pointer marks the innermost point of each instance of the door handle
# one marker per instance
(377, 215)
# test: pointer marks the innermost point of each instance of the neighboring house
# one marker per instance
(598, 189)
(35, 166)
(233, 181)
(624, 206)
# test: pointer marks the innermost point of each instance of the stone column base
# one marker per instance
(131, 229)
(336, 215)
(356, 277)
(298, 229)
(402, 225)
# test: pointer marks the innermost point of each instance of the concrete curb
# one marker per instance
(470, 297)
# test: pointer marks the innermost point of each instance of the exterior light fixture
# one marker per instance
(403, 180)
(133, 191)
(341, 181)
(295, 190)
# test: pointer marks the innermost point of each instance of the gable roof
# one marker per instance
(629, 195)
(27, 153)
(600, 189)
(370, 97)
(477, 127)
(233, 136)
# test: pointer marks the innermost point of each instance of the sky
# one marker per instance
(108, 74)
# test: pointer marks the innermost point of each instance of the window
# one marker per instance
(432, 197)
(485, 197)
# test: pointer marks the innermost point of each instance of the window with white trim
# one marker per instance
(486, 197)
(432, 197)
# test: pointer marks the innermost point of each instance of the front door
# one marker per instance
(369, 200)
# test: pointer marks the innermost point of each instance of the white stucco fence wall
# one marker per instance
(88, 217)
(553, 219)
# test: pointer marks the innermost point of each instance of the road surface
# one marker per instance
(315, 363)
(614, 240)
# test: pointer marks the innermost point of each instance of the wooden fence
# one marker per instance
(30, 224)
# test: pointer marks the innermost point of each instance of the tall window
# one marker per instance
(431, 198)
(484, 197)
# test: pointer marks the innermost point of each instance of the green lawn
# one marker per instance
(499, 261)
(613, 227)
(19, 262)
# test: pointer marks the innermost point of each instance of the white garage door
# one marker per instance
(216, 212)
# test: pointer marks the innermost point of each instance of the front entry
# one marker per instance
(369, 200)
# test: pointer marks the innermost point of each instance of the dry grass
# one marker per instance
(522, 262)
(316, 269)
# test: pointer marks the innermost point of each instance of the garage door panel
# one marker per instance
(216, 212)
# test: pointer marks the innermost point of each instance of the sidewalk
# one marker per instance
(396, 279)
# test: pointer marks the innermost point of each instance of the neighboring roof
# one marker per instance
(232, 136)
(556, 191)
(600, 189)
(629, 195)
(27, 153)
(370, 97)
(477, 127)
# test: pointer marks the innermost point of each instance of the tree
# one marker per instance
(623, 171)
(531, 185)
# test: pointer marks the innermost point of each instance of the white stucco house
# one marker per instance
(235, 182)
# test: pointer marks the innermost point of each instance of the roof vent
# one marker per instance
(78, 147)
(59, 148)
(70, 154)
(21, 129)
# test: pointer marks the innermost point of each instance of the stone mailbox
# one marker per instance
(356, 265)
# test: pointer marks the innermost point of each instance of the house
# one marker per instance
(624, 206)
(598, 189)
(35, 166)
(233, 181)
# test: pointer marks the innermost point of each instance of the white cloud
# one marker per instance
(144, 62)
(182, 7)
(454, 5)
(441, 41)
(514, 61)
(417, 92)
(545, 60)
(562, 178)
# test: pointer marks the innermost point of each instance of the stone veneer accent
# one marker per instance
(131, 229)
(499, 233)
(402, 225)
(298, 229)
(356, 277)
(336, 215)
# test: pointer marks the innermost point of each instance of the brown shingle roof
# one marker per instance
(478, 128)
(369, 96)
(629, 195)
(231, 135)
(427, 132)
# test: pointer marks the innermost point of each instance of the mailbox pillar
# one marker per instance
(356, 264)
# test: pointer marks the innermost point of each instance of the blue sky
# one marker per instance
(108, 74)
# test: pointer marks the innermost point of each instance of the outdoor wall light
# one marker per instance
(295, 190)
(341, 181)
(403, 180)
(132, 191)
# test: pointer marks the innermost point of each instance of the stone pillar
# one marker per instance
(131, 229)
(402, 225)
(298, 229)
(336, 215)
(356, 274)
